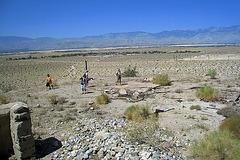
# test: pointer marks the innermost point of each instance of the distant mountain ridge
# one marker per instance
(213, 35)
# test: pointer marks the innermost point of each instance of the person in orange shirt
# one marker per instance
(49, 82)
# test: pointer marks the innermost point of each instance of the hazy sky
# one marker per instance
(78, 18)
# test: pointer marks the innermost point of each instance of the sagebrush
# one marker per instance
(216, 145)
(137, 113)
(102, 99)
(207, 93)
(196, 107)
(232, 124)
(212, 73)
(161, 79)
(130, 72)
(3, 100)
(148, 131)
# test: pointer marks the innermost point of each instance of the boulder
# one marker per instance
(122, 91)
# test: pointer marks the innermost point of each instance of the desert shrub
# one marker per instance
(212, 73)
(229, 111)
(197, 107)
(55, 99)
(130, 72)
(67, 118)
(232, 124)
(69, 115)
(62, 100)
(3, 100)
(137, 113)
(102, 99)
(162, 79)
(179, 91)
(148, 131)
(59, 108)
(43, 112)
(216, 145)
(207, 93)
(52, 99)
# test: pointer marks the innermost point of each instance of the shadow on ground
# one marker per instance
(46, 146)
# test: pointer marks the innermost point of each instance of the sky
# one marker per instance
(79, 18)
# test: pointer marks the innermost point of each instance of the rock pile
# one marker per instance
(106, 138)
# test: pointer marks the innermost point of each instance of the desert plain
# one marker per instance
(24, 80)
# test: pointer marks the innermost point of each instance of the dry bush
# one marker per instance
(62, 100)
(55, 100)
(146, 132)
(69, 115)
(232, 124)
(43, 112)
(59, 108)
(196, 107)
(137, 113)
(179, 91)
(130, 72)
(52, 99)
(162, 79)
(216, 145)
(229, 111)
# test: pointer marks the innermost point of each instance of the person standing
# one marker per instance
(49, 82)
(119, 77)
(83, 85)
(85, 75)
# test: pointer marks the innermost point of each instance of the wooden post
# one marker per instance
(86, 65)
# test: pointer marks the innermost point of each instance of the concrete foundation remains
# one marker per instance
(15, 131)
(5, 133)
(22, 138)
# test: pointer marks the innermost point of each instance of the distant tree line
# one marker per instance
(186, 51)
(86, 54)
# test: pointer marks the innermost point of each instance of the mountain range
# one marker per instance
(211, 35)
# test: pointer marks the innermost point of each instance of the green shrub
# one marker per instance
(212, 73)
(207, 93)
(216, 145)
(102, 99)
(232, 124)
(130, 72)
(229, 111)
(197, 107)
(137, 113)
(161, 79)
(3, 100)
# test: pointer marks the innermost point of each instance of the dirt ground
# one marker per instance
(186, 76)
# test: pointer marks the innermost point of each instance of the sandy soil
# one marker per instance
(180, 95)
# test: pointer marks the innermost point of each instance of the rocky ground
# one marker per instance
(73, 127)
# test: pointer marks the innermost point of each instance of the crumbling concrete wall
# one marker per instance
(5, 133)
(22, 138)
(15, 131)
